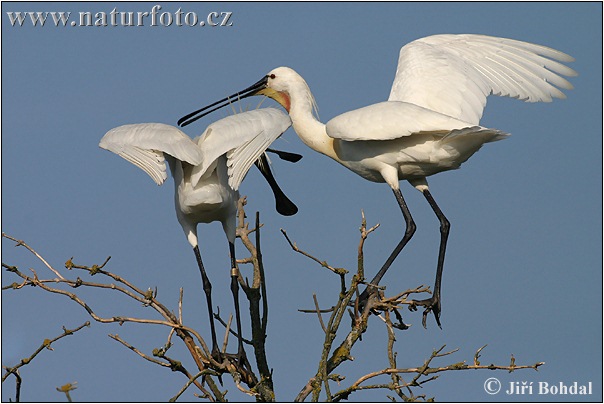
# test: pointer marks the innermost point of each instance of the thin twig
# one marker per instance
(324, 264)
(228, 327)
(46, 344)
(477, 354)
(138, 352)
(318, 311)
(180, 296)
(258, 318)
(263, 293)
(192, 380)
(424, 370)
(170, 320)
(314, 311)
(225, 342)
(22, 243)
(148, 298)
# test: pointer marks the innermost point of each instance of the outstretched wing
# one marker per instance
(243, 138)
(454, 74)
(144, 146)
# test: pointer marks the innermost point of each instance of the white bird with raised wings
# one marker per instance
(207, 173)
(430, 122)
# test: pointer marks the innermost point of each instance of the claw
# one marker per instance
(216, 355)
(431, 305)
(241, 359)
(242, 365)
(401, 324)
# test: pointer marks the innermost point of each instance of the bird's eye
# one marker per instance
(272, 76)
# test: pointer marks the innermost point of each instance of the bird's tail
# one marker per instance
(461, 144)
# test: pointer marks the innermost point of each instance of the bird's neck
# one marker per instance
(310, 130)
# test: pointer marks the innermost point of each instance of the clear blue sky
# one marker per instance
(523, 268)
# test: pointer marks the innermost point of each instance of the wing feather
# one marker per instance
(144, 146)
(454, 74)
(243, 138)
(240, 160)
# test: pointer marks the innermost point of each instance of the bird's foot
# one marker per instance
(216, 354)
(371, 292)
(362, 301)
(241, 357)
(431, 305)
(400, 324)
(242, 365)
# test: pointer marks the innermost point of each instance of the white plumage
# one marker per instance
(430, 122)
(207, 173)
(454, 74)
(208, 170)
(242, 140)
(145, 144)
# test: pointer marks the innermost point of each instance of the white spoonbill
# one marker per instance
(430, 122)
(207, 173)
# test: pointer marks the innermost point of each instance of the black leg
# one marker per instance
(433, 304)
(235, 292)
(283, 204)
(207, 288)
(409, 231)
(287, 156)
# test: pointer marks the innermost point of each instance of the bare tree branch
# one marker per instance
(324, 264)
(422, 371)
(46, 344)
(402, 381)
(21, 243)
(139, 353)
(255, 294)
(202, 358)
(375, 304)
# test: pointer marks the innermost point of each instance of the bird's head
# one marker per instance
(278, 84)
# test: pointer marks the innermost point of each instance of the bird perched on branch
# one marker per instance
(207, 172)
(430, 122)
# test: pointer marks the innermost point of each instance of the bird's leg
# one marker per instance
(207, 288)
(287, 156)
(241, 357)
(283, 204)
(433, 304)
(409, 231)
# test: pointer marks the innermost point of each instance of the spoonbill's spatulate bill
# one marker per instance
(207, 173)
(430, 122)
